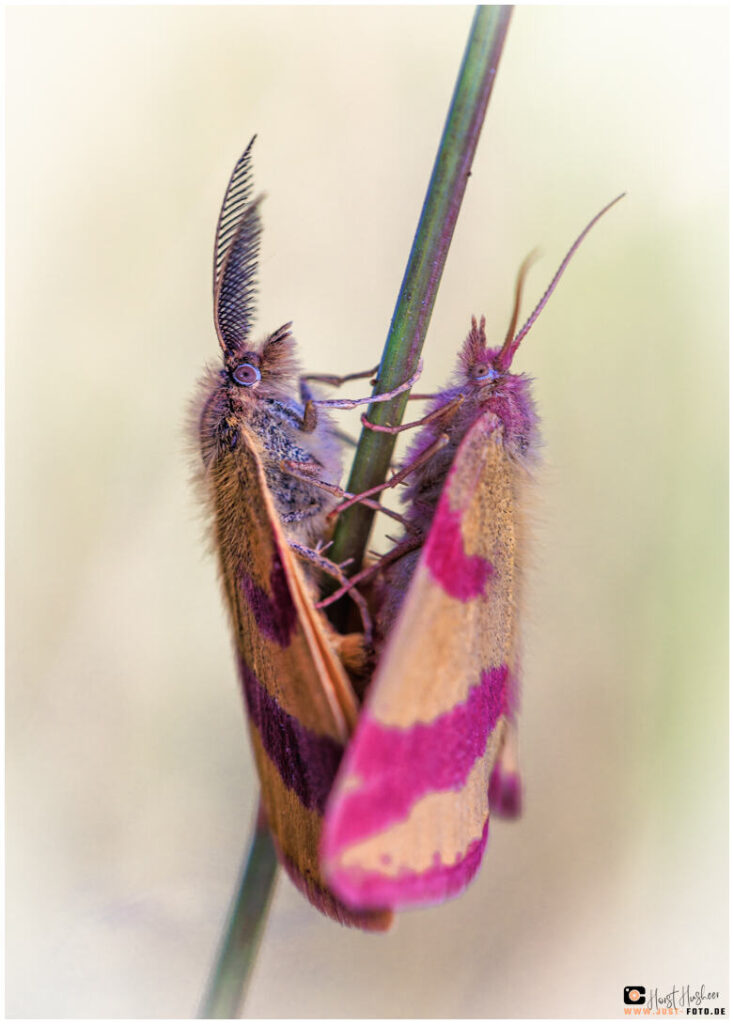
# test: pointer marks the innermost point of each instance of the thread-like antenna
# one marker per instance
(508, 350)
(519, 283)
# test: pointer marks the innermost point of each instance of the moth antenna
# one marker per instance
(236, 287)
(519, 283)
(506, 354)
(236, 199)
(280, 334)
(278, 361)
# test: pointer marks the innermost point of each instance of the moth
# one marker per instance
(267, 458)
(435, 748)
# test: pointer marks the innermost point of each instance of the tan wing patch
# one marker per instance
(441, 825)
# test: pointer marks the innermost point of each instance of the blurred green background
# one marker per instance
(130, 785)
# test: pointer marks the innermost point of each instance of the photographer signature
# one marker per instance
(678, 998)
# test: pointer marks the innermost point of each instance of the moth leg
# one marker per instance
(335, 571)
(336, 382)
(352, 403)
(323, 546)
(446, 412)
(305, 471)
(404, 548)
(310, 413)
(308, 470)
(441, 441)
(310, 417)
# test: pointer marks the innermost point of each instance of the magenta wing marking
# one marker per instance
(397, 768)
(437, 883)
(462, 576)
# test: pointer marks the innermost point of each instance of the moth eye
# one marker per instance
(246, 374)
(481, 371)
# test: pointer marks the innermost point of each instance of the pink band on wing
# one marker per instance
(460, 575)
(439, 882)
(396, 767)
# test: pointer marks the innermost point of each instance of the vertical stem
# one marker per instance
(248, 913)
(425, 267)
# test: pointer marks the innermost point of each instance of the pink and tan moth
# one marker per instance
(434, 750)
(252, 430)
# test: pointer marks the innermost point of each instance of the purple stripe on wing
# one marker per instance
(275, 613)
(306, 762)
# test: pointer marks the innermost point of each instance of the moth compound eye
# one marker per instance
(246, 374)
(483, 372)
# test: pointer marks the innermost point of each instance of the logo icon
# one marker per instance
(634, 994)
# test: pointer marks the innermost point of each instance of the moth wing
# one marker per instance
(408, 820)
(301, 707)
(505, 785)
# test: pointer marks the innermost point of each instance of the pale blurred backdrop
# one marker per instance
(130, 785)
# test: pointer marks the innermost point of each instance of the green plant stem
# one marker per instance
(247, 916)
(425, 267)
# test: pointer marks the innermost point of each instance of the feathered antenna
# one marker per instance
(236, 288)
(236, 199)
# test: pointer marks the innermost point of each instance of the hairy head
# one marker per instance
(265, 371)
